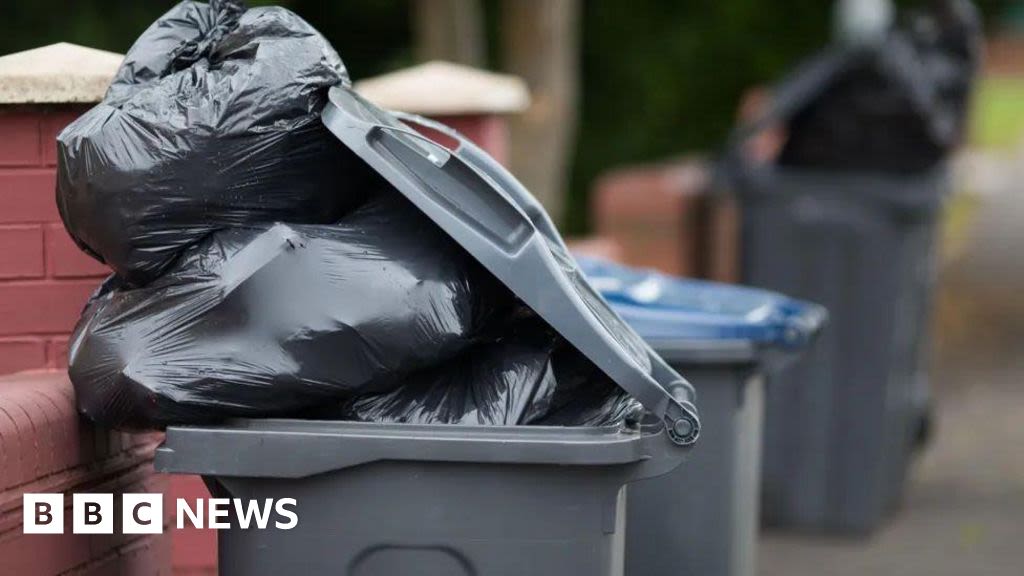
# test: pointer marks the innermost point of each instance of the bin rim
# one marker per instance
(291, 448)
(914, 192)
(484, 209)
(732, 352)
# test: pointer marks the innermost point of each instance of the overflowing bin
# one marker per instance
(846, 216)
(703, 518)
(385, 499)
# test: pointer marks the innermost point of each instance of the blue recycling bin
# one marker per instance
(703, 518)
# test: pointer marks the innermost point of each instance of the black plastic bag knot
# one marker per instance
(225, 18)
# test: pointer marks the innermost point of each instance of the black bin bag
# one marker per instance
(527, 376)
(212, 121)
(896, 106)
(275, 319)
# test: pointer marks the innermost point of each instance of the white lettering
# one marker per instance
(183, 511)
(282, 511)
(219, 508)
(253, 510)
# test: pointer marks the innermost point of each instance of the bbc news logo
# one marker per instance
(143, 513)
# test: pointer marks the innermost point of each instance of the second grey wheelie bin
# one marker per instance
(703, 518)
(847, 216)
(838, 444)
(389, 499)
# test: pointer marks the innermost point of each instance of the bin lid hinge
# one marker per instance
(681, 422)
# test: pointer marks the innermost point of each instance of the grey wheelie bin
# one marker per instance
(427, 500)
(839, 442)
(703, 518)
(386, 499)
(855, 232)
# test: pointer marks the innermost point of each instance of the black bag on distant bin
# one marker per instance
(899, 106)
(271, 320)
(212, 121)
(528, 376)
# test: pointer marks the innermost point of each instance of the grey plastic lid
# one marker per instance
(487, 212)
(273, 448)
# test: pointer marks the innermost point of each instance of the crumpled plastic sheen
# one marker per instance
(212, 121)
(270, 320)
(529, 376)
(262, 269)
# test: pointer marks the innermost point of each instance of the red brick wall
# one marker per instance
(44, 278)
(487, 132)
(663, 216)
(46, 447)
(44, 282)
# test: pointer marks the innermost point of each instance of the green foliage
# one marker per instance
(106, 24)
(662, 78)
(371, 35)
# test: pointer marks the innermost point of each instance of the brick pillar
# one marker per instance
(474, 102)
(664, 216)
(45, 446)
(488, 131)
(44, 278)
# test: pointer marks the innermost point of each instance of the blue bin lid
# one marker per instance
(670, 310)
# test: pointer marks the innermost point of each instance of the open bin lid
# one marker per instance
(487, 212)
(693, 318)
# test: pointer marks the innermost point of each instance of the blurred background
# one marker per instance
(641, 95)
(614, 82)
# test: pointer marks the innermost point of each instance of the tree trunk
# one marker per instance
(449, 30)
(540, 44)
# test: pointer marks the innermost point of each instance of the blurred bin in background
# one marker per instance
(847, 217)
(703, 518)
(839, 441)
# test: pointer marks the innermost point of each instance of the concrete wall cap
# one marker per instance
(445, 89)
(56, 74)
